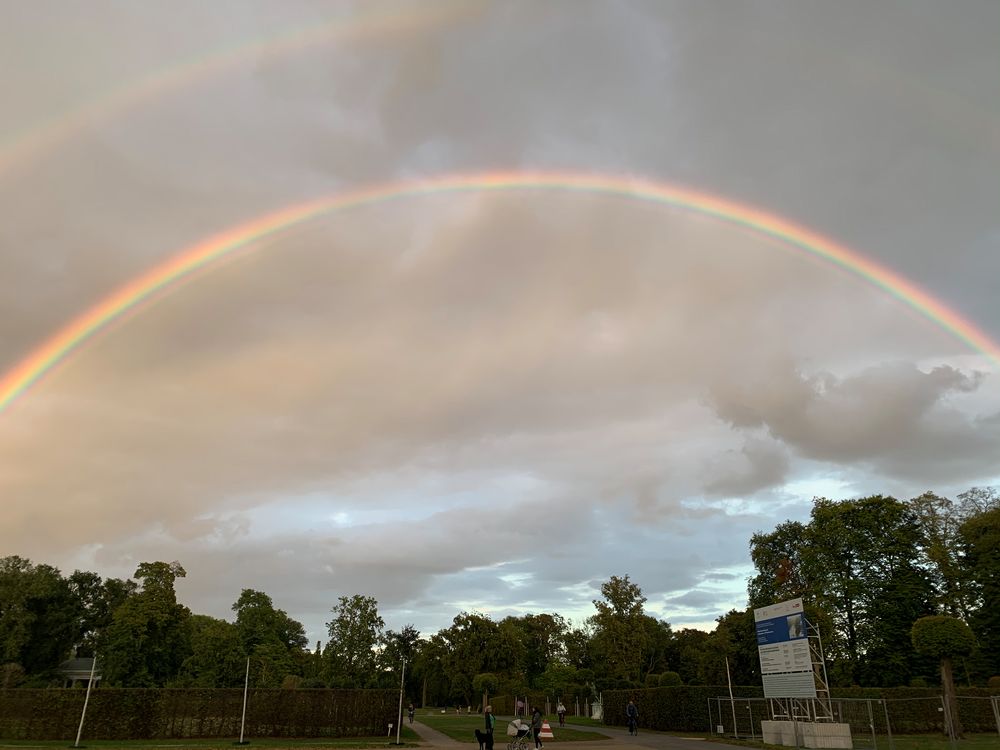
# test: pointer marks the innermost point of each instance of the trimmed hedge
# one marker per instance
(165, 713)
(910, 710)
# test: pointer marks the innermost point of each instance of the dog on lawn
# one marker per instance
(485, 740)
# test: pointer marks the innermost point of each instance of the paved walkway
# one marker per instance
(618, 739)
(433, 737)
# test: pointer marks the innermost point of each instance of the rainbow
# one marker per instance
(46, 136)
(200, 257)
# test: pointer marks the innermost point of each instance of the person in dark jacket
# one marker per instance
(536, 726)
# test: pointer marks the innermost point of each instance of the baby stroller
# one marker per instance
(518, 732)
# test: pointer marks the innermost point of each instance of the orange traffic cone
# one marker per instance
(546, 733)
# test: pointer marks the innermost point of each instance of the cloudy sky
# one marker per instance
(488, 401)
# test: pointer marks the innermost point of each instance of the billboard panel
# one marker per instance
(783, 646)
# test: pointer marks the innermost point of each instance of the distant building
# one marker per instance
(77, 670)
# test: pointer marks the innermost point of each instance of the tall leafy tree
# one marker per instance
(576, 648)
(148, 639)
(978, 500)
(619, 636)
(397, 646)
(734, 638)
(543, 638)
(980, 542)
(39, 615)
(472, 645)
(657, 640)
(270, 638)
(859, 557)
(351, 655)
(98, 599)
(429, 670)
(692, 650)
(217, 658)
(777, 557)
(939, 519)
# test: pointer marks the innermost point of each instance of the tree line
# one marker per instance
(867, 570)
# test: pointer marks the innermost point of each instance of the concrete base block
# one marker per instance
(826, 734)
(778, 733)
(811, 735)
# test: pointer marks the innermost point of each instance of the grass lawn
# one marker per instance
(462, 728)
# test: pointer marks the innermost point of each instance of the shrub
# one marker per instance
(163, 713)
(670, 679)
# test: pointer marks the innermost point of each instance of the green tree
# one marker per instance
(939, 520)
(39, 615)
(856, 562)
(273, 640)
(735, 639)
(980, 543)
(691, 648)
(558, 680)
(657, 639)
(942, 637)
(397, 646)
(543, 638)
(148, 639)
(978, 500)
(485, 684)
(576, 648)
(619, 637)
(777, 557)
(217, 658)
(351, 655)
(258, 621)
(429, 670)
(98, 599)
(474, 644)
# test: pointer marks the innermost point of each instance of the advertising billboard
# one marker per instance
(783, 645)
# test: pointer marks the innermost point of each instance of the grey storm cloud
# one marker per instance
(489, 400)
(893, 416)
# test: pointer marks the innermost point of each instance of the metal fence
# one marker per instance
(873, 721)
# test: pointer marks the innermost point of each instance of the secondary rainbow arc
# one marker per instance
(202, 255)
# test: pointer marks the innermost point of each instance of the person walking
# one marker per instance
(633, 718)
(409, 710)
(491, 722)
(561, 710)
(536, 726)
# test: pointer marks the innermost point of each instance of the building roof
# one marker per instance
(79, 667)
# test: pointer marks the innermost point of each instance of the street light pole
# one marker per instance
(402, 679)
(86, 700)
(246, 689)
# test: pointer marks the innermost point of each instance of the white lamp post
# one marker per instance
(402, 679)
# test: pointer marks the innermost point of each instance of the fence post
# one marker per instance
(888, 726)
(996, 710)
(753, 738)
(711, 726)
